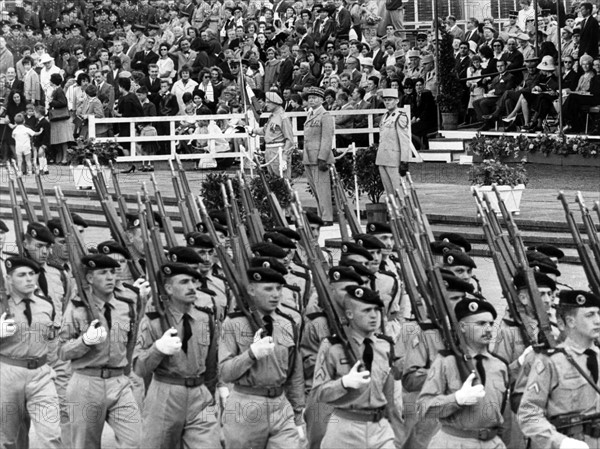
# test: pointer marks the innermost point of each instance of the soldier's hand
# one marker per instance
(94, 335)
(572, 443)
(356, 379)
(7, 326)
(469, 394)
(323, 166)
(169, 343)
(525, 353)
(143, 286)
(262, 347)
(223, 395)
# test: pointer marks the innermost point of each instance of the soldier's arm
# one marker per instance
(309, 346)
(146, 357)
(415, 362)
(232, 363)
(288, 133)
(505, 343)
(294, 390)
(212, 375)
(328, 129)
(434, 399)
(327, 383)
(71, 345)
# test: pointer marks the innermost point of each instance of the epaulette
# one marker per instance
(41, 295)
(387, 338)
(509, 322)
(124, 299)
(131, 287)
(10, 254)
(334, 339)
(445, 353)
(315, 315)
(304, 276)
(78, 303)
(293, 288)
(206, 310)
(285, 315)
(237, 314)
(502, 359)
(153, 315)
(55, 265)
(387, 273)
(427, 326)
(289, 308)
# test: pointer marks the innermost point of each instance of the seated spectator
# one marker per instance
(495, 89)
(587, 93)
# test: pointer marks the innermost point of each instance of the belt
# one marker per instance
(267, 392)
(477, 434)
(274, 144)
(189, 382)
(365, 415)
(103, 372)
(33, 363)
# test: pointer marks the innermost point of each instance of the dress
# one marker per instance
(61, 131)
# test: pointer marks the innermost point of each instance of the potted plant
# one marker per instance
(211, 190)
(510, 180)
(86, 149)
(451, 88)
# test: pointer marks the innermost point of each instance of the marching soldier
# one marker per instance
(26, 387)
(121, 256)
(265, 369)
(316, 223)
(3, 232)
(462, 265)
(183, 363)
(383, 232)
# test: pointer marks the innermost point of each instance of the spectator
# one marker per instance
(587, 93)
(6, 57)
(128, 106)
(31, 82)
(61, 131)
(166, 65)
(22, 136)
(91, 105)
(41, 142)
(183, 85)
(590, 32)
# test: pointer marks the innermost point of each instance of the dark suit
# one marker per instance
(286, 71)
(322, 31)
(590, 35)
(343, 22)
(106, 89)
(302, 81)
(16, 86)
(141, 60)
(425, 110)
(570, 80)
(462, 64)
(473, 35)
(129, 106)
(356, 77)
(378, 59)
(499, 85)
(307, 40)
(514, 60)
(153, 87)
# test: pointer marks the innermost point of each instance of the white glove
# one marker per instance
(143, 286)
(572, 443)
(301, 434)
(94, 335)
(262, 347)
(356, 379)
(7, 326)
(522, 357)
(169, 343)
(223, 395)
(469, 394)
(283, 165)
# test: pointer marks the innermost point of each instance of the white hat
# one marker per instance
(547, 63)
(389, 93)
(274, 97)
(46, 58)
(413, 54)
(366, 61)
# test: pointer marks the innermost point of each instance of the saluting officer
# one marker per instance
(267, 398)
(27, 391)
(178, 409)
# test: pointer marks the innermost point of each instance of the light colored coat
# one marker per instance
(318, 137)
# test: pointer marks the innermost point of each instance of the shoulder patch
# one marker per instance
(153, 315)
(315, 315)
(387, 338)
(509, 322)
(539, 367)
(124, 299)
(293, 288)
(446, 353)
(333, 339)
(131, 287)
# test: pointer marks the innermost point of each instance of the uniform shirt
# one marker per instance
(395, 141)
(422, 344)
(437, 398)
(236, 365)
(555, 387)
(60, 288)
(29, 341)
(110, 353)
(278, 128)
(333, 364)
(315, 330)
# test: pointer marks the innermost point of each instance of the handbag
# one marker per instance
(57, 114)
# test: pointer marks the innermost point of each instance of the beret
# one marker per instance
(112, 247)
(313, 218)
(455, 258)
(55, 227)
(377, 227)
(265, 276)
(274, 98)
(218, 216)
(133, 221)
(268, 262)
(289, 233)
(578, 298)
(360, 269)
(548, 250)
(12, 263)
(344, 274)
(199, 240)
(40, 231)
(456, 239)
(171, 269)
(184, 254)
(456, 284)
(469, 306)
(541, 279)
(78, 220)
(440, 248)
(368, 241)
(201, 227)
(365, 295)
(267, 249)
(3, 227)
(99, 262)
(349, 248)
(279, 240)
(542, 262)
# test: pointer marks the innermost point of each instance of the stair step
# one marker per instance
(446, 144)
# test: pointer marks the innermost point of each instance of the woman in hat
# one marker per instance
(586, 94)
(61, 131)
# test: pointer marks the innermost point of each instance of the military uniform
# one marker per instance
(279, 136)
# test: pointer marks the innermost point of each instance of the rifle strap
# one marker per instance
(579, 369)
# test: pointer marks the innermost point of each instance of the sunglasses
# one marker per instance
(78, 53)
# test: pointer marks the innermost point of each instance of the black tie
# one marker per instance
(43, 282)
(368, 354)
(268, 320)
(187, 332)
(107, 315)
(480, 369)
(27, 312)
(592, 363)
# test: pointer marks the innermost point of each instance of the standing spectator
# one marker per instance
(12, 84)
(91, 105)
(344, 121)
(22, 136)
(14, 105)
(144, 58)
(185, 56)
(6, 57)
(167, 107)
(60, 126)
(118, 52)
(129, 106)
(41, 142)
(286, 69)
(272, 69)
(454, 29)
(590, 32)
(166, 65)
(183, 85)
(104, 88)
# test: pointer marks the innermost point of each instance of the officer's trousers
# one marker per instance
(390, 177)
(320, 184)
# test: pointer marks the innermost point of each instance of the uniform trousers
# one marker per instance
(443, 440)
(320, 184)
(94, 401)
(176, 416)
(316, 415)
(343, 433)
(271, 153)
(390, 177)
(257, 422)
(28, 395)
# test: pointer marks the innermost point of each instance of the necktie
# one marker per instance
(187, 332)
(268, 320)
(479, 367)
(592, 363)
(27, 311)
(107, 315)
(368, 354)
(43, 282)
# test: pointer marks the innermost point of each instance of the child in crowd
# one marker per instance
(22, 136)
(41, 142)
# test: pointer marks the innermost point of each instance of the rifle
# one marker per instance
(187, 194)
(4, 307)
(592, 272)
(155, 237)
(597, 208)
(256, 229)
(238, 251)
(46, 213)
(186, 221)
(237, 222)
(590, 228)
(29, 210)
(121, 203)
(417, 205)
(166, 221)
(17, 216)
(573, 424)
(349, 215)
(276, 211)
(237, 281)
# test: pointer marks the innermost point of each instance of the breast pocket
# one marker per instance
(284, 347)
(571, 392)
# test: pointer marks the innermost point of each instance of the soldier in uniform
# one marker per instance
(319, 128)
(359, 396)
(470, 415)
(459, 263)
(121, 256)
(395, 144)
(266, 371)
(93, 43)
(97, 349)
(383, 232)
(560, 381)
(3, 232)
(183, 362)
(26, 387)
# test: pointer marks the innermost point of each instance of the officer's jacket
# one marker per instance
(395, 141)
(318, 137)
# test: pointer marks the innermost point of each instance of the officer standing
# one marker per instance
(319, 129)
(27, 391)
(183, 362)
(265, 369)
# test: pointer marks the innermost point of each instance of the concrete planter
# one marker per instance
(510, 195)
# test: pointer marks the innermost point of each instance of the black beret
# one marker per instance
(199, 240)
(265, 276)
(40, 231)
(377, 227)
(112, 247)
(344, 274)
(55, 227)
(279, 240)
(201, 227)
(578, 298)
(457, 239)
(12, 263)
(133, 221)
(313, 218)
(468, 306)
(368, 241)
(289, 233)
(184, 254)
(267, 249)
(440, 248)
(365, 295)
(458, 258)
(99, 262)
(541, 279)
(360, 269)
(354, 248)
(542, 262)
(548, 250)
(456, 284)
(218, 216)
(171, 269)
(3, 227)
(268, 262)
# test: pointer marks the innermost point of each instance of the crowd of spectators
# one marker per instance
(68, 59)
